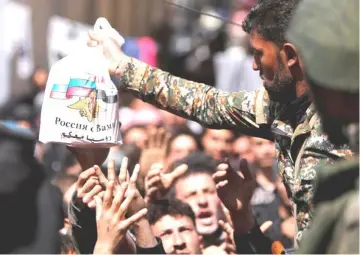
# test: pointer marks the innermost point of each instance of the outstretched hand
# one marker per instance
(110, 217)
(138, 202)
(87, 186)
(154, 151)
(157, 182)
(235, 190)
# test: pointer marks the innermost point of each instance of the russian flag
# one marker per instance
(76, 87)
(58, 91)
(80, 88)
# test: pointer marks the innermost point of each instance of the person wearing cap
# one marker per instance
(281, 111)
(326, 33)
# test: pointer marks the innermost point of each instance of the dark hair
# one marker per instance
(64, 181)
(204, 131)
(171, 207)
(197, 162)
(69, 160)
(185, 132)
(271, 18)
(131, 151)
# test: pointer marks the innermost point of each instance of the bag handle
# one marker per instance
(102, 24)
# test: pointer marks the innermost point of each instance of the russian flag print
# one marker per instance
(58, 91)
(76, 87)
(80, 88)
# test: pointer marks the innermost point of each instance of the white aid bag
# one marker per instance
(80, 105)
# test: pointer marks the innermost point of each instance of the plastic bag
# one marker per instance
(80, 105)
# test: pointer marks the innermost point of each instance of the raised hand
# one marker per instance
(138, 202)
(142, 228)
(235, 192)
(229, 243)
(88, 186)
(91, 183)
(154, 151)
(110, 217)
(157, 182)
(266, 226)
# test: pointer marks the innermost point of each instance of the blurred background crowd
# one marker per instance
(185, 43)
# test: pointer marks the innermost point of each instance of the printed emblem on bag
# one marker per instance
(88, 95)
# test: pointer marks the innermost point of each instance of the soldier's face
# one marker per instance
(271, 62)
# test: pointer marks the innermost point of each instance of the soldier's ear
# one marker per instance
(291, 54)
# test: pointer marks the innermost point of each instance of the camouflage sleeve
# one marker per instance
(196, 101)
(319, 151)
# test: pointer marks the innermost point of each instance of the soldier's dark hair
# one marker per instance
(270, 18)
(172, 207)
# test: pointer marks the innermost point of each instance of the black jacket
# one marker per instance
(31, 208)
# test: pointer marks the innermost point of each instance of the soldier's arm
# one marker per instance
(196, 101)
(318, 152)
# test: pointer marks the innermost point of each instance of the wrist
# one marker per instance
(120, 64)
(144, 235)
(243, 221)
(140, 224)
(101, 249)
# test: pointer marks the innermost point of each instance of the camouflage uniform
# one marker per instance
(326, 33)
(248, 112)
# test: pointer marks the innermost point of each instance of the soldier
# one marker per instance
(281, 110)
(327, 35)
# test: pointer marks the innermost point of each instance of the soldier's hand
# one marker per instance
(110, 48)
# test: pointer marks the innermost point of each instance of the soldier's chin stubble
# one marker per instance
(282, 89)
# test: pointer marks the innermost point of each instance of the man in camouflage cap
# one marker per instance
(327, 35)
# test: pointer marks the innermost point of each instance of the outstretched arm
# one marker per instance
(196, 101)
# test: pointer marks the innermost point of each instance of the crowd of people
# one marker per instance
(200, 170)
